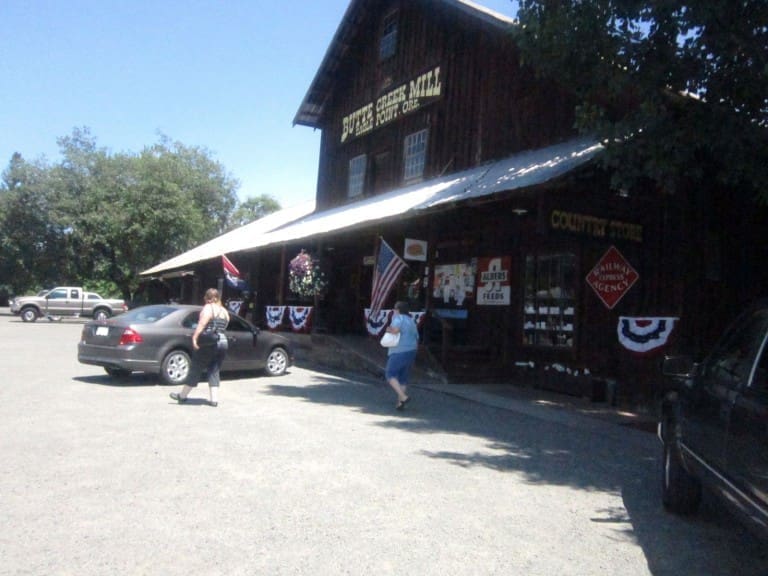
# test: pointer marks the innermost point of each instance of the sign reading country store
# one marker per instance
(406, 98)
(612, 277)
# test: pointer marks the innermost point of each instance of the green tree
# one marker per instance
(677, 89)
(99, 218)
(34, 238)
(253, 209)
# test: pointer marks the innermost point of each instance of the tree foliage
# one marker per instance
(254, 208)
(678, 89)
(99, 217)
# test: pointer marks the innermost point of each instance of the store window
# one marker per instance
(388, 40)
(549, 306)
(415, 155)
(356, 181)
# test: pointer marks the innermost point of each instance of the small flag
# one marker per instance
(388, 268)
(232, 274)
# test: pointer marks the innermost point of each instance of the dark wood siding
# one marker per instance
(490, 106)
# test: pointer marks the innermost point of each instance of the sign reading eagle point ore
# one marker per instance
(612, 277)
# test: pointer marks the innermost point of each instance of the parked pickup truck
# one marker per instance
(714, 424)
(66, 301)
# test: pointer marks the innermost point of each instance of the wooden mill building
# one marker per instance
(436, 139)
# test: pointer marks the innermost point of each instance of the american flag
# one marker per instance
(388, 268)
(232, 274)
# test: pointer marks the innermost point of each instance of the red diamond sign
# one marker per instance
(612, 277)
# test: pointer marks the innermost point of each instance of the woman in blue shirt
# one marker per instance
(401, 357)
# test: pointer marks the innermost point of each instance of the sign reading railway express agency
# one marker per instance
(612, 277)
(403, 100)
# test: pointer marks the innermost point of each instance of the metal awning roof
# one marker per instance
(235, 240)
(515, 172)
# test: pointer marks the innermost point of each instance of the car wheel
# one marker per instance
(117, 372)
(277, 362)
(680, 492)
(101, 314)
(176, 368)
(29, 314)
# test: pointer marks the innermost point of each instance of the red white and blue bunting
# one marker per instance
(376, 324)
(299, 317)
(275, 316)
(644, 335)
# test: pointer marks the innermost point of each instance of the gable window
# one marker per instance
(415, 155)
(388, 40)
(356, 181)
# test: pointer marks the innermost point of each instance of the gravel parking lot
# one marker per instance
(315, 473)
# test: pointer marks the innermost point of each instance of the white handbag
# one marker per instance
(389, 339)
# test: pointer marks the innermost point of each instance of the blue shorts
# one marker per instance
(399, 364)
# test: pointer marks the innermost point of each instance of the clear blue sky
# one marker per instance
(226, 75)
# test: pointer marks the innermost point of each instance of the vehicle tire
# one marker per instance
(176, 368)
(277, 362)
(117, 372)
(29, 314)
(680, 492)
(101, 314)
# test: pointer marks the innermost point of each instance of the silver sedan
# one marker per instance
(158, 340)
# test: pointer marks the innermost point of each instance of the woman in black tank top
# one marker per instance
(215, 318)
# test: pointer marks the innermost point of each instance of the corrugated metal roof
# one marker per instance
(516, 172)
(235, 240)
(522, 170)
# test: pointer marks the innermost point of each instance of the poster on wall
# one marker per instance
(493, 286)
(454, 284)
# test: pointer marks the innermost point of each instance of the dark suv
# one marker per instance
(714, 424)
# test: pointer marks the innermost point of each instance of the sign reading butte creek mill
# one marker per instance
(388, 107)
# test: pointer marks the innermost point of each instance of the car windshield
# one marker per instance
(147, 314)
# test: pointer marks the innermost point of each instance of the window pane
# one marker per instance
(388, 42)
(549, 309)
(356, 183)
(415, 155)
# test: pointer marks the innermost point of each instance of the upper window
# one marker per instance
(388, 40)
(356, 182)
(415, 155)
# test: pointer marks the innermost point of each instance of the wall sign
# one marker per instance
(612, 277)
(400, 101)
(415, 250)
(493, 286)
(587, 225)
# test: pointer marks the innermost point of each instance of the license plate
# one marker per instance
(102, 331)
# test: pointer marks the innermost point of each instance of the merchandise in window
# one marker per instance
(415, 155)
(549, 306)
(356, 182)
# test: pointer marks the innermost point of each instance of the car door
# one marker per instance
(241, 353)
(74, 303)
(708, 405)
(56, 301)
(747, 442)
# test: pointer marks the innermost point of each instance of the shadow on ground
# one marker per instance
(545, 452)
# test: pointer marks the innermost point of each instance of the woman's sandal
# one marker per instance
(402, 403)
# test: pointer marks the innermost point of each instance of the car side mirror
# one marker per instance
(678, 366)
(678, 372)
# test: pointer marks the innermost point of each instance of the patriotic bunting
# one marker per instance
(643, 335)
